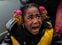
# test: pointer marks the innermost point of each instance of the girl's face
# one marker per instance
(32, 20)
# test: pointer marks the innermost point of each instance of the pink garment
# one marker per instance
(58, 23)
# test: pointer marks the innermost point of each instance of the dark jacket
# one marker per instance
(18, 35)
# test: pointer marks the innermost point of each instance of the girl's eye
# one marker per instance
(38, 15)
(29, 17)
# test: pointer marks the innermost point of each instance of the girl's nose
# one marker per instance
(35, 20)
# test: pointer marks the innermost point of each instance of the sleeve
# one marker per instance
(6, 40)
(10, 24)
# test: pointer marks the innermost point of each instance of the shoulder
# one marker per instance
(47, 24)
(11, 24)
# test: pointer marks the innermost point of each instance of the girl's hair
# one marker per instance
(28, 6)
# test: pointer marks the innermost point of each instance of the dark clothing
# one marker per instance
(24, 37)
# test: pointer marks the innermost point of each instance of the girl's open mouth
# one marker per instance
(36, 27)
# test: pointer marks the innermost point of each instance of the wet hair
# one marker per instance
(24, 8)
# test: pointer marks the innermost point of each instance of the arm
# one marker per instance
(10, 24)
(6, 40)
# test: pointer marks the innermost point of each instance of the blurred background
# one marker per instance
(6, 9)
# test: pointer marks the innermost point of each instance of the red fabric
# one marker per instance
(58, 23)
